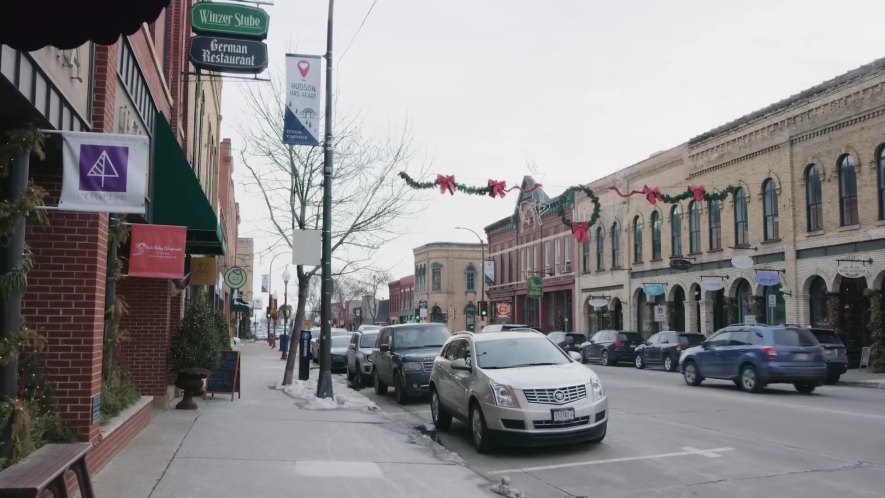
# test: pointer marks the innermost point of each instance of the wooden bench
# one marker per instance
(45, 470)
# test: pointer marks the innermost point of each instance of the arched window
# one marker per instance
(880, 171)
(715, 222)
(600, 247)
(470, 276)
(814, 211)
(655, 236)
(676, 230)
(616, 246)
(818, 301)
(847, 191)
(740, 218)
(694, 228)
(637, 240)
(769, 209)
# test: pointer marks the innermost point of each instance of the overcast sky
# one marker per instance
(579, 88)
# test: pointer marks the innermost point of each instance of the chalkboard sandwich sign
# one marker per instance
(226, 378)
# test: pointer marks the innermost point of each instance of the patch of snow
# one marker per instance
(504, 489)
(304, 394)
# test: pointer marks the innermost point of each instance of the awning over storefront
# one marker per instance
(241, 307)
(178, 198)
(65, 24)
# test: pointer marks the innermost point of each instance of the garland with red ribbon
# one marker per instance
(697, 192)
(447, 183)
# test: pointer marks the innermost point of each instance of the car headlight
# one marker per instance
(503, 395)
(596, 388)
(413, 366)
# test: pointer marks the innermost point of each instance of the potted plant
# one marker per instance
(194, 353)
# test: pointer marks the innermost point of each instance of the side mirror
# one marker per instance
(705, 345)
(385, 348)
(460, 364)
(574, 355)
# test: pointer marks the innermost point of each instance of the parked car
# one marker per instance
(359, 357)
(753, 356)
(315, 341)
(664, 349)
(366, 328)
(339, 352)
(403, 357)
(513, 388)
(568, 341)
(610, 347)
(500, 327)
(834, 352)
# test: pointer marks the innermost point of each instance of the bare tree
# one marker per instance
(369, 198)
(372, 283)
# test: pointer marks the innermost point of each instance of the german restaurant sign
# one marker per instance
(229, 19)
(231, 55)
(157, 251)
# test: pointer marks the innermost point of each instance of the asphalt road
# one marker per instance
(669, 439)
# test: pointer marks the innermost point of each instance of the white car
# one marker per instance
(514, 388)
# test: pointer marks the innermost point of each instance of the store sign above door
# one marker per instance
(228, 55)
(768, 278)
(652, 290)
(240, 21)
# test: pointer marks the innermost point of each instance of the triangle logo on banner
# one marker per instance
(103, 168)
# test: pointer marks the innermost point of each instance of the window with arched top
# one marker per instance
(436, 277)
(470, 277)
(600, 247)
(814, 209)
(741, 235)
(616, 246)
(676, 231)
(655, 236)
(769, 209)
(694, 228)
(714, 219)
(880, 180)
(847, 191)
(637, 240)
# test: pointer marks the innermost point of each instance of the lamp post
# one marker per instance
(482, 268)
(286, 277)
(271, 339)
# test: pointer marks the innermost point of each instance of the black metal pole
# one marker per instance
(324, 381)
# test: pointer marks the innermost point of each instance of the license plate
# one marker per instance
(563, 415)
(801, 356)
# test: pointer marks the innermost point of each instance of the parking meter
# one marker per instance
(304, 356)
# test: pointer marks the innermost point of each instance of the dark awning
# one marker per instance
(33, 24)
(238, 306)
(178, 199)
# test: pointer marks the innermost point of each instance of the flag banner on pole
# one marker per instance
(265, 283)
(104, 173)
(301, 125)
(157, 251)
(489, 271)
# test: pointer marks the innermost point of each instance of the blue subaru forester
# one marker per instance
(753, 356)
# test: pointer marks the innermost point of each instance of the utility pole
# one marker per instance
(324, 382)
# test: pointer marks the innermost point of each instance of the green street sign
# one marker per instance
(228, 19)
(534, 288)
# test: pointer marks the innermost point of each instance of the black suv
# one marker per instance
(403, 357)
(609, 347)
(664, 349)
(834, 352)
(568, 341)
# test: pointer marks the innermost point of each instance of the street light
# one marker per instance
(482, 269)
(286, 277)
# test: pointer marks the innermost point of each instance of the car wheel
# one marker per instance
(669, 364)
(749, 382)
(833, 379)
(380, 387)
(479, 432)
(605, 360)
(638, 362)
(399, 393)
(691, 374)
(804, 388)
(441, 418)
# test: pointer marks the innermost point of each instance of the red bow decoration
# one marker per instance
(581, 232)
(497, 189)
(652, 195)
(446, 183)
(697, 192)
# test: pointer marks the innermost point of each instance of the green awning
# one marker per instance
(178, 199)
(241, 308)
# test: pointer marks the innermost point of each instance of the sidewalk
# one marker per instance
(862, 379)
(265, 445)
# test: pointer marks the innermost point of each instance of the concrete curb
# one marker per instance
(870, 384)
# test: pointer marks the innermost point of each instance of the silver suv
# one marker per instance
(514, 388)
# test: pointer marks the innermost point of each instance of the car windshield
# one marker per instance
(521, 352)
(691, 339)
(631, 337)
(824, 336)
(368, 340)
(340, 341)
(420, 337)
(794, 337)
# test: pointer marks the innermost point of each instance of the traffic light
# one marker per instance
(483, 309)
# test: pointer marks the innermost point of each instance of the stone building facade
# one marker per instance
(809, 214)
(447, 276)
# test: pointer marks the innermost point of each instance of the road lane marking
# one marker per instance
(688, 451)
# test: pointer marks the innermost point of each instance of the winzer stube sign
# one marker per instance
(228, 19)
(215, 53)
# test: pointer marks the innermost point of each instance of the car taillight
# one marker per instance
(679, 347)
(618, 343)
(769, 352)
